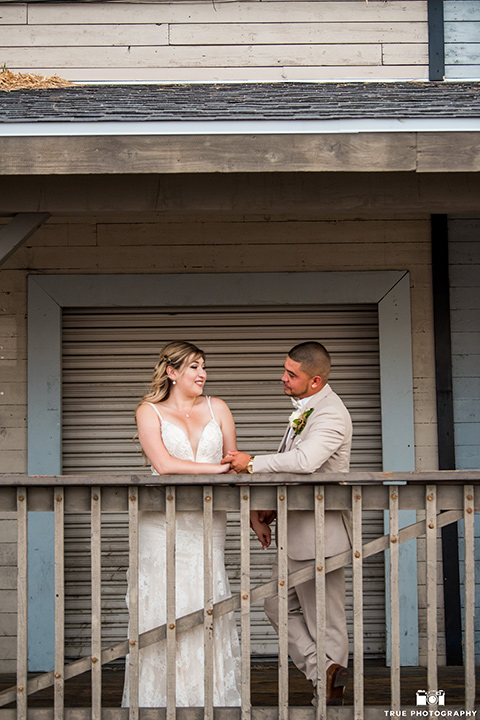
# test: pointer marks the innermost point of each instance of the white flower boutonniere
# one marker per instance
(298, 420)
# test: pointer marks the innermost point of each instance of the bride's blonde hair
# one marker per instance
(178, 355)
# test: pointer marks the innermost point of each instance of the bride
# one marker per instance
(183, 432)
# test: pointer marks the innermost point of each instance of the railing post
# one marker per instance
(171, 611)
(357, 567)
(431, 559)
(394, 598)
(319, 504)
(245, 599)
(208, 600)
(59, 684)
(96, 569)
(469, 560)
(133, 603)
(22, 602)
(282, 603)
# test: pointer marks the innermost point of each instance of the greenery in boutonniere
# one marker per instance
(298, 420)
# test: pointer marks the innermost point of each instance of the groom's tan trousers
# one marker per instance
(302, 632)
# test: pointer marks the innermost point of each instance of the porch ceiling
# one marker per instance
(269, 127)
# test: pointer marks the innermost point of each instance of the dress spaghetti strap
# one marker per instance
(210, 406)
(155, 408)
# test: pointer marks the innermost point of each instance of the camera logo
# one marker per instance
(430, 698)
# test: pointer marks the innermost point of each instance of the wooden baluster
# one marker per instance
(282, 603)
(59, 683)
(357, 568)
(96, 570)
(394, 598)
(208, 600)
(134, 654)
(22, 602)
(431, 572)
(245, 599)
(469, 540)
(170, 519)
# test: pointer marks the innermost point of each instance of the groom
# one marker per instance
(318, 439)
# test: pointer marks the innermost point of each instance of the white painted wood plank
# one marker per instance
(394, 598)
(406, 54)
(357, 567)
(133, 628)
(171, 616)
(96, 570)
(211, 56)
(469, 616)
(462, 72)
(462, 32)
(266, 11)
(431, 581)
(22, 603)
(344, 33)
(12, 15)
(208, 600)
(59, 571)
(319, 504)
(245, 600)
(282, 501)
(85, 35)
(237, 74)
(466, 10)
(462, 53)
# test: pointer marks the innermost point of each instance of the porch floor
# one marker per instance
(265, 687)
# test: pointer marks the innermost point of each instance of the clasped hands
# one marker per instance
(259, 519)
(237, 460)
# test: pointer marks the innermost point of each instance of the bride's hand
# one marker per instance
(225, 468)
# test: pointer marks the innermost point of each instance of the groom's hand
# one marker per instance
(238, 461)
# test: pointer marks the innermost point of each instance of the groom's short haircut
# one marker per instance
(313, 357)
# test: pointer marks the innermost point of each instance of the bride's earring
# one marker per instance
(174, 382)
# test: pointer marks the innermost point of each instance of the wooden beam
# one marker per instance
(439, 152)
(13, 235)
(125, 154)
(329, 195)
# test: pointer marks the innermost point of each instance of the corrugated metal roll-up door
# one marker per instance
(108, 358)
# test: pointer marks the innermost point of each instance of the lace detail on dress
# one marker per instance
(189, 592)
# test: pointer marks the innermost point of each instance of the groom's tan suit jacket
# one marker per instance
(323, 446)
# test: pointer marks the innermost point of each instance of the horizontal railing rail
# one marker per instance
(444, 497)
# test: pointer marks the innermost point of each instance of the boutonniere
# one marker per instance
(298, 420)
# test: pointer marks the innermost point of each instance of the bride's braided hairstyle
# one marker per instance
(178, 355)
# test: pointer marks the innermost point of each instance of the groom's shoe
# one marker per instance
(337, 677)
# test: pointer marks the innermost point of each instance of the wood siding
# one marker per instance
(236, 41)
(211, 243)
(462, 39)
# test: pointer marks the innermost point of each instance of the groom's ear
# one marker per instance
(316, 381)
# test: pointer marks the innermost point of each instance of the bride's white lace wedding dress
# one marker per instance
(189, 592)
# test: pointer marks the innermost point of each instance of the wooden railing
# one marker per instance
(443, 497)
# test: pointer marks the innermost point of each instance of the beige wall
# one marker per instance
(202, 244)
(218, 41)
